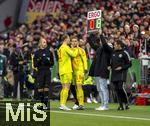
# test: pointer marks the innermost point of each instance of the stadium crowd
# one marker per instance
(127, 20)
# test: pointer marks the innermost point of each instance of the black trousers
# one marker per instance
(43, 78)
(18, 77)
(90, 89)
(120, 92)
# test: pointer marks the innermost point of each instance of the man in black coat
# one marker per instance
(120, 62)
(43, 61)
(99, 67)
(16, 62)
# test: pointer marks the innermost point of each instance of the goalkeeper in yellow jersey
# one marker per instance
(79, 66)
(65, 53)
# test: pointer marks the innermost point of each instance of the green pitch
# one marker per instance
(136, 116)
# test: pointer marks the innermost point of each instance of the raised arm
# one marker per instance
(92, 41)
(105, 45)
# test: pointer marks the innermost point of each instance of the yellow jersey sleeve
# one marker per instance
(79, 63)
(64, 59)
(84, 58)
(72, 53)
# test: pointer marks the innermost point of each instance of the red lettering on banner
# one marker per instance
(44, 6)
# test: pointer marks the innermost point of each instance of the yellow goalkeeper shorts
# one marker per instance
(78, 78)
(66, 78)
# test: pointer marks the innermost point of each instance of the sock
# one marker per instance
(80, 96)
(41, 97)
(46, 97)
(64, 96)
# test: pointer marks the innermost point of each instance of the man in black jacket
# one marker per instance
(16, 62)
(43, 61)
(120, 62)
(99, 67)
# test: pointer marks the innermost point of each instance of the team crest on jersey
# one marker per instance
(120, 55)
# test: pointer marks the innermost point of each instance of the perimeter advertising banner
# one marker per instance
(93, 20)
(41, 7)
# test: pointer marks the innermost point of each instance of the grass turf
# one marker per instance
(136, 116)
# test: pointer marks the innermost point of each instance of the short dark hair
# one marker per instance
(74, 37)
(64, 37)
(119, 42)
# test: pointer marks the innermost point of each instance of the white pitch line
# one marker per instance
(97, 115)
(102, 115)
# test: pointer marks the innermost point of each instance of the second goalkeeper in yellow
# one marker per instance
(79, 67)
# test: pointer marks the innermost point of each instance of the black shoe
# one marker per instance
(40, 108)
(43, 107)
(46, 108)
(127, 107)
(80, 107)
(120, 108)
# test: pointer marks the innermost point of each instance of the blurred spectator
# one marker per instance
(2, 69)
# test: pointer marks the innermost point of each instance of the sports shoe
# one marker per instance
(89, 100)
(63, 107)
(127, 107)
(80, 107)
(102, 108)
(39, 108)
(45, 107)
(75, 107)
(120, 108)
(94, 100)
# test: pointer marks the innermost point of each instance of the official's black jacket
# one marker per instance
(43, 59)
(99, 67)
(120, 58)
(14, 60)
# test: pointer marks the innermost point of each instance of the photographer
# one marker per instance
(43, 60)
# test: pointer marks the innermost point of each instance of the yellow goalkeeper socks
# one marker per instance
(64, 96)
(80, 96)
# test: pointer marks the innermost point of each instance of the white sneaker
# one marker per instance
(75, 107)
(105, 108)
(102, 108)
(99, 108)
(63, 107)
(89, 100)
(94, 100)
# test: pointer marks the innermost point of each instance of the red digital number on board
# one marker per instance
(92, 24)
